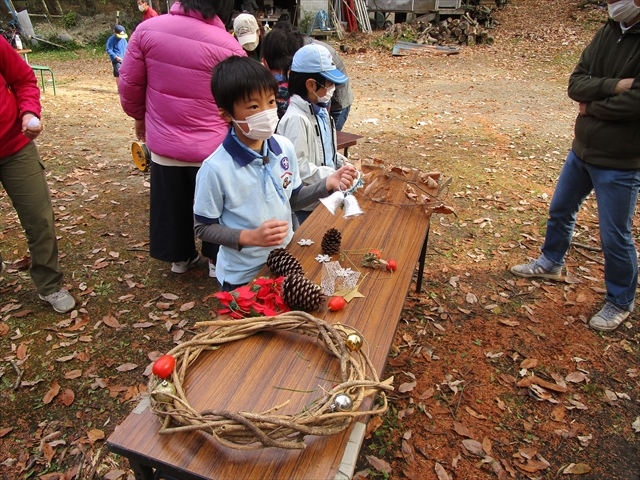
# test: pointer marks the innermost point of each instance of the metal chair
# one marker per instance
(42, 69)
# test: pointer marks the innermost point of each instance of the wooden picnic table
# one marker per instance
(270, 368)
(23, 52)
(346, 140)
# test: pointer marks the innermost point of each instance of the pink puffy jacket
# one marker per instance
(165, 79)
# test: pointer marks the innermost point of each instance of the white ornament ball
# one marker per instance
(33, 123)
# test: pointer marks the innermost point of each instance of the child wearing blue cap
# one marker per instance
(246, 189)
(307, 122)
(116, 46)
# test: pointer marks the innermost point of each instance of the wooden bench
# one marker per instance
(268, 369)
(346, 140)
(23, 52)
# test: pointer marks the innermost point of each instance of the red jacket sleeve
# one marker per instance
(19, 93)
(20, 78)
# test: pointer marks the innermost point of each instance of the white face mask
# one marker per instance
(327, 97)
(624, 11)
(261, 125)
(141, 8)
(250, 47)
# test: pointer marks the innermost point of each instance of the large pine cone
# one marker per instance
(300, 293)
(331, 242)
(281, 262)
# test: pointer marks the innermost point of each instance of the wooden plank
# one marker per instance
(262, 371)
(345, 140)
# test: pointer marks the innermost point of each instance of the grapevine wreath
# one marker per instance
(327, 415)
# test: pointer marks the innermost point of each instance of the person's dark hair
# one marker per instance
(238, 78)
(210, 8)
(297, 82)
(279, 46)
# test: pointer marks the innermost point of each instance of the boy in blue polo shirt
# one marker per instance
(246, 189)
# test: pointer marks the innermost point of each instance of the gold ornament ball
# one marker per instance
(353, 342)
(161, 392)
(343, 402)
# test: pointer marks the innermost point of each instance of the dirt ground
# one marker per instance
(498, 121)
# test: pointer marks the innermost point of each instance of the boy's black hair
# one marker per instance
(279, 46)
(210, 8)
(297, 82)
(238, 78)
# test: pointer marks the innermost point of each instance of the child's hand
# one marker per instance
(270, 234)
(343, 178)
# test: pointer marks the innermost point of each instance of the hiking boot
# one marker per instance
(182, 267)
(212, 269)
(534, 270)
(609, 318)
(61, 301)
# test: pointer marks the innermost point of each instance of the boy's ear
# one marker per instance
(310, 84)
(224, 115)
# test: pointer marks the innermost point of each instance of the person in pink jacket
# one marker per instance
(165, 86)
(22, 175)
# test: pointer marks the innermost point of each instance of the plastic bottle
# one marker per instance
(18, 41)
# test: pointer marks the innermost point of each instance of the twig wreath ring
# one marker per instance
(330, 414)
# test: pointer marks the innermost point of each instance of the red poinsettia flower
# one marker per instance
(263, 292)
(264, 281)
(224, 297)
(244, 292)
(262, 297)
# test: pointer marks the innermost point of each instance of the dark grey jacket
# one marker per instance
(609, 135)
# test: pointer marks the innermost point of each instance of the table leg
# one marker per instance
(140, 471)
(423, 254)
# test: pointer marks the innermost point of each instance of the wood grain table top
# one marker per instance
(270, 368)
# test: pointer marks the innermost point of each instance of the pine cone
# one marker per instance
(331, 242)
(281, 262)
(300, 293)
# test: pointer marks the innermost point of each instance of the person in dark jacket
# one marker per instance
(22, 175)
(605, 157)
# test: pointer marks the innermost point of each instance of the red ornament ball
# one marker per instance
(337, 303)
(164, 366)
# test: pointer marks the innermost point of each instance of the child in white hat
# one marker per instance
(247, 32)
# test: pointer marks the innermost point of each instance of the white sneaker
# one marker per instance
(212, 269)
(182, 267)
(61, 301)
(533, 270)
(609, 318)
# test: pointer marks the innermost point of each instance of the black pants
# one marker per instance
(171, 215)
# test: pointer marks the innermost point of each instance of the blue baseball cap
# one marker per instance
(314, 58)
(120, 31)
